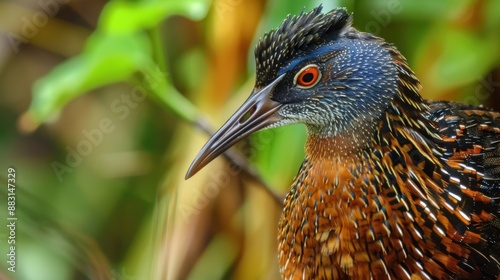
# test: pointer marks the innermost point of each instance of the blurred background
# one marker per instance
(104, 104)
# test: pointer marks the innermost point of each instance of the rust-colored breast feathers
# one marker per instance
(407, 208)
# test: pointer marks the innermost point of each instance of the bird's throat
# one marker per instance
(346, 146)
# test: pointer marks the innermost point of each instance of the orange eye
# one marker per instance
(308, 76)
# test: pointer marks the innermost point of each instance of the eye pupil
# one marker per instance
(308, 76)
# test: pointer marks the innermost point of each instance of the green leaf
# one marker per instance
(164, 92)
(106, 59)
(124, 17)
(114, 52)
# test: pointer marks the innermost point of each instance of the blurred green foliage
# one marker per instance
(123, 210)
(116, 50)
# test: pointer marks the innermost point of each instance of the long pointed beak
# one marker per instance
(257, 112)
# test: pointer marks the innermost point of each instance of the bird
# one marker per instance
(392, 186)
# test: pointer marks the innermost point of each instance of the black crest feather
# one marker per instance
(296, 35)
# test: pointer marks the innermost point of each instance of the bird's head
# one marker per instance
(317, 70)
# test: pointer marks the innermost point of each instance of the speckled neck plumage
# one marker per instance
(334, 224)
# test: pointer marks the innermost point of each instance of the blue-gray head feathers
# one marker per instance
(295, 36)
